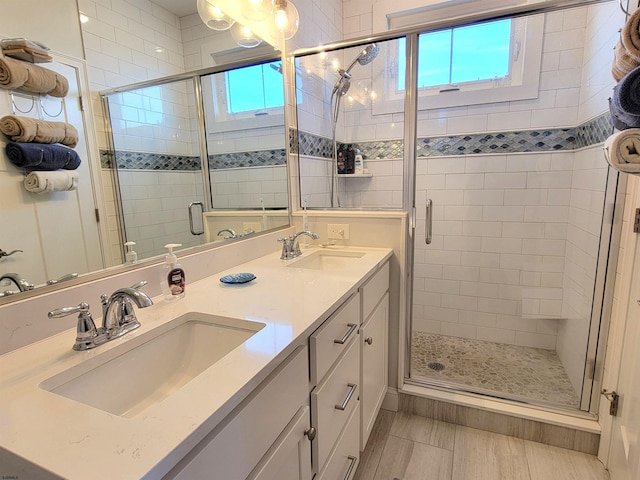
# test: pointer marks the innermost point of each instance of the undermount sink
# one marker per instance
(327, 260)
(132, 377)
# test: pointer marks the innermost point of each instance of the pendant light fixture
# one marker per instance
(213, 16)
(252, 21)
(256, 10)
(244, 36)
(284, 20)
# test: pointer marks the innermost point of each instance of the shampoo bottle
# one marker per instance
(172, 279)
(359, 164)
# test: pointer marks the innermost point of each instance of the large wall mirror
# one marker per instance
(195, 159)
(234, 120)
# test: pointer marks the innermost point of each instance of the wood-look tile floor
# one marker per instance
(409, 447)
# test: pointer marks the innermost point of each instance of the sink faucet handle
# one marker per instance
(139, 285)
(86, 332)
(64, 311)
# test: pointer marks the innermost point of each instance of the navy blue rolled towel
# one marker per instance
(40, 156)
(624, 105)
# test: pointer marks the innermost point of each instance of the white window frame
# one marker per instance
(218, 109)
(522, 83)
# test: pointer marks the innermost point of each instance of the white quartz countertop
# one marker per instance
(76, 441)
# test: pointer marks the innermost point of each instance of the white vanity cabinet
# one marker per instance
(267, 428)
(374, 349)
(335, 379)
(289, 458)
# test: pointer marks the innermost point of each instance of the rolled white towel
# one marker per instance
(56, 181)
(622, 150)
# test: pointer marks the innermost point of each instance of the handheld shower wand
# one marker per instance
(340, 88)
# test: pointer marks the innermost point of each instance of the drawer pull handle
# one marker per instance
(368, 340)
(352, 461)
(352, 388)
(343, 340)
(311, 433)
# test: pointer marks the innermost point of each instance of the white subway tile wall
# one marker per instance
(157, 211)
(246, 187)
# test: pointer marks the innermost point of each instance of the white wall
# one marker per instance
(53, 22)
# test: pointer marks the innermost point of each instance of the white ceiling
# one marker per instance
(178, 7)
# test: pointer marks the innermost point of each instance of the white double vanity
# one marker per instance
(279, 378)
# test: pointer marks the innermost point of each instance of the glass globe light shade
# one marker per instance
(244, 37)
(213, 17)
(284, 20)
(256, 10)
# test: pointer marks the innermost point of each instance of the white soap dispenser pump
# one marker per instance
(131, 256)
(172, 278)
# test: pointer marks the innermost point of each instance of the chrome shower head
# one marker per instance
(369, 54)
(366, 56)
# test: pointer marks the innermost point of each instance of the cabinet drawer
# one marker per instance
(332, 403)
(332, 337)
(343, 461)
(374, 289)
(233, 450)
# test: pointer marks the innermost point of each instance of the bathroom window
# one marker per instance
(249, 97)
(453, 56)
(254, 89)
(489, 62)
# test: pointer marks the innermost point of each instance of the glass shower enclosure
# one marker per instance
(489, 136)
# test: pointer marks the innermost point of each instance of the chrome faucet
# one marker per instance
(290, 246)
(230, 231)
(20, 282)
(118, 316)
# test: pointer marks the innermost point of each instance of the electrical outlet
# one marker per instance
(338, 231)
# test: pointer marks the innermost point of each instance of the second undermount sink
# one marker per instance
(132, 377)
(327, 260)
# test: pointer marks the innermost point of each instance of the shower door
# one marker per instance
(510, 191)
(158, 165)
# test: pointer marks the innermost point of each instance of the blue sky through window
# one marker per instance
(462, 54)
(257, 87)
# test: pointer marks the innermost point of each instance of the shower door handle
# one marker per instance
(428, 226)
(191, 227)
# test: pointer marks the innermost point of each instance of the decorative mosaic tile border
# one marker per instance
(148, 161)
(153, 161)
(560, 139)
(589, 133)
(260, 158)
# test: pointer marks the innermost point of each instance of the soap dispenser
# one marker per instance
(131, 256)
(172, 278)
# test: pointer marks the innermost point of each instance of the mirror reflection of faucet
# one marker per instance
(232, 233)
(22, 284)
(64, 278)
(118, 316)
(8, 254)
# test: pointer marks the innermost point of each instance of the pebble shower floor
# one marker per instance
(520, 372)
